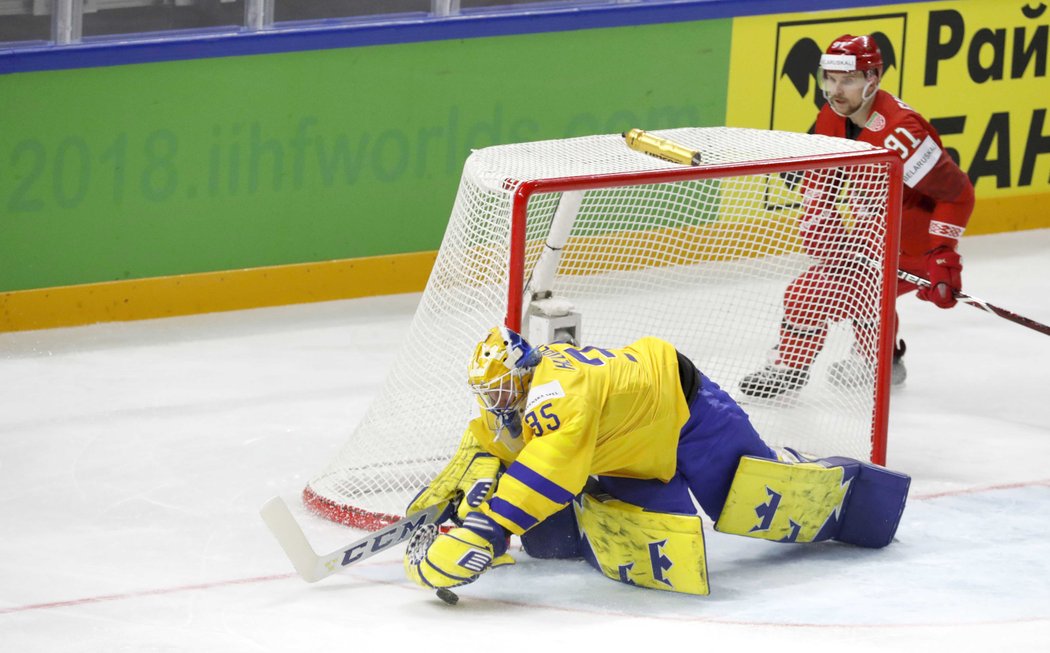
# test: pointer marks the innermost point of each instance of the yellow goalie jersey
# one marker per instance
(590, 411)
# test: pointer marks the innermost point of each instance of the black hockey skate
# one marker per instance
(773, 380)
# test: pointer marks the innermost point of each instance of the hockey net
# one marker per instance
(700, 256)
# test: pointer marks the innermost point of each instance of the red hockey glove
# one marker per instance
(944, 270)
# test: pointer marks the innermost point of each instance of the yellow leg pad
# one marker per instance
(785, 502)
(650, 549)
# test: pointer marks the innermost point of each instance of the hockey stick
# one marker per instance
(979, 303)
(312, 567)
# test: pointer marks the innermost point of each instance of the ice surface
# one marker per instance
(134, 458)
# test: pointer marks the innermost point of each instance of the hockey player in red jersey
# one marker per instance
(937, 200)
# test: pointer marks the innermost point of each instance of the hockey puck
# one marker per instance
(448, 596)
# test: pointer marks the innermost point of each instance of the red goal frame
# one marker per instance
(526, 189)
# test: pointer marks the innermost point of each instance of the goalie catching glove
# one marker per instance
(469, 479)
(458, 557)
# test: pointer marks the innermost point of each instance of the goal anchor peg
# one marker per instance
(646, 143)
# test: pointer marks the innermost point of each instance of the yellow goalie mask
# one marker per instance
(500, 372)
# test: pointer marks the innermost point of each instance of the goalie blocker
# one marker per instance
(791, 500)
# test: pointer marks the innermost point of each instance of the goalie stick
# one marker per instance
(979, 303)
(313, 567)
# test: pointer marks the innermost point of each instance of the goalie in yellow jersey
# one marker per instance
(605, 453)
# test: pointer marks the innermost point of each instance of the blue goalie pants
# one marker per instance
(710, 446)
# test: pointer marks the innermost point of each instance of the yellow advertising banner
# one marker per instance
(976, 70)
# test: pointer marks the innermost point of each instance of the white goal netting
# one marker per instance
(702, 262)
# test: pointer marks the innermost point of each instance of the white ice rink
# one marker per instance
(134, 458)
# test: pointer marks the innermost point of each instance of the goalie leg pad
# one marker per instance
(650, 549)
(784, 502)
(833, 498)
(876, 504)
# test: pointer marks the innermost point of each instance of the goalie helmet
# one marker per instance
(500, 371)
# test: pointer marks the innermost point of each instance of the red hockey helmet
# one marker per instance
(848, 53)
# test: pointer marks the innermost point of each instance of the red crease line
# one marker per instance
(154, 592)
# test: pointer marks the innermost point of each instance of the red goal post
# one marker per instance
(699, 255)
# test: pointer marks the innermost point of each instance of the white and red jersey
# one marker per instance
(938, 196)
